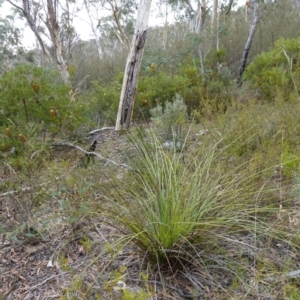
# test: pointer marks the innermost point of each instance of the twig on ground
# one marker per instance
(288, 275)
(26, 189)
(65, 144)
(100, 130)
(22, 190)
(46, 280)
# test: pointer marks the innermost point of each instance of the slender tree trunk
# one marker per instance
(229, 7)
(132, 68)
(203, 13)
(214, 15)
(214, 22)
(97, 38)
(54, 30)
(165, 29)
(254, 6)
(121, 33)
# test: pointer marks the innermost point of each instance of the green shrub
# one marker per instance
(28, 93)
(171, 121)
(268, 131)
(157, 88)
(36, 95)
(103, 102)
(276, 70)
(202, 92)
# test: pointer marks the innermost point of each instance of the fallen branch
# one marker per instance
(95, 131)
(288, 275)
(64, 144)
(22, 190)
(46, 280)
(89, 153)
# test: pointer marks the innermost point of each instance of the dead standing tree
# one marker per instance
(132, 68)
(254, 5)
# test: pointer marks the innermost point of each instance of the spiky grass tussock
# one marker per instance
(185, 212)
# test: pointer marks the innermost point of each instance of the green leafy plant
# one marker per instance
(103, 102)
(276, 70)
(35, 95)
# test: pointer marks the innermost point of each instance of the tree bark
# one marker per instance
(254, 6)
(165, 29)
(214, 15)
(203, 13)
(132, 68)
(54, 30)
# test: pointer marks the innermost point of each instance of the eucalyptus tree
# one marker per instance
(10, 38)
(214, 22)
(96, 33)
(111, 23)
(195, 13)
(45, 20)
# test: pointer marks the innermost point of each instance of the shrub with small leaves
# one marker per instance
(277, 70)
(36, 97)
(171, 121)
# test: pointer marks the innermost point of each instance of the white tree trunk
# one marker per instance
(132, 68)
(165, 28)
(214, 22)
(54, 30)
(97, 37)
(203, 13)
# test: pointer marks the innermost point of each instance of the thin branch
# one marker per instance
(97, 37)
(89, 153)
(31, 22)
(26, 189)
(99, 130)
(229, 7)
(46, 280)
(292, 274)
(16, 6)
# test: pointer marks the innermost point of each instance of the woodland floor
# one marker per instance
(40, 267)
(58, 265)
